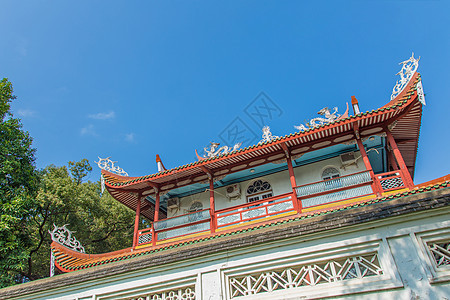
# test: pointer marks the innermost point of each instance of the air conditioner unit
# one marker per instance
(348, 159)
(233, 191)
(173, 203)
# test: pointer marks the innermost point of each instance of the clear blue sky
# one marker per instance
(132, 79)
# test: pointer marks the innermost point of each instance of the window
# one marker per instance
(331, 173)
(258, 190)
(196, 206)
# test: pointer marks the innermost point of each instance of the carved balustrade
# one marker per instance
(390, 180)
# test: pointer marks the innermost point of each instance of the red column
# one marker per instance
(155, 218)
(375, 186)
(136, 221)
(212, 209)
(398, 156)
(297, 203)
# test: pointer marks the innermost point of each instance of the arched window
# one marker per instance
(330, 173)
(196, 206)
(259, 189)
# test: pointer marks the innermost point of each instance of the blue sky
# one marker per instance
(132, 79)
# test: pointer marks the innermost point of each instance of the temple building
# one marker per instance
(330, 210)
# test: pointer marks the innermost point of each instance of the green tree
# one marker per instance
(32, 201)
(100, 223)
(18, 182)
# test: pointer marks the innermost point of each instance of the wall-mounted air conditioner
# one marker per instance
(173, 203)
(233, 191)
(348, 159)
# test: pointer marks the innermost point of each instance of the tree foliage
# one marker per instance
(32, 201)
(100, 223)
(18, 182)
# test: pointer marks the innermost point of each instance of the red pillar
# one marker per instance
(398, 156)
(375, 186)
(155, 218)
(136, 221)
(297, 203)
(212, 209)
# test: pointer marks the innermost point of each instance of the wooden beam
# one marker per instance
(398, 156)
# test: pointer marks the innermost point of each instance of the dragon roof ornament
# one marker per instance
(214, 151)
(63, 236)
(328, 117)
(267, 135)
(409, 67)
(108, 165)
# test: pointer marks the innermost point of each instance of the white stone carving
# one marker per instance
(347, 268)
(186, 293)
(267, 135)
(102, 182)
(420, 93)
(409, 67)
(52, 264)
(328, 117)
(63, 236)
(109, 165)
(214, 151)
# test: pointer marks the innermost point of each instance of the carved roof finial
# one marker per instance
(409, 67)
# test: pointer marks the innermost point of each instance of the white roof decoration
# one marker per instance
(108, 165)
(409, 67)
(328, 117)
(63, 236)
(215, 151)
(267, 135)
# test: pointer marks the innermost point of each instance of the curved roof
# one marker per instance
(404, 112)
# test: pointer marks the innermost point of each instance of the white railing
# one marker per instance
(200, 215)
(185, 230)
(333, 184)
(255, 210)
(337, 196)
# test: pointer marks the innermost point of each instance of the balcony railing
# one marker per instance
(313, 194)
(187, 224)
(336, 189)
(255, 210)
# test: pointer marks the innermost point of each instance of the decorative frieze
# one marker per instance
(186, 293)
(298, 276)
